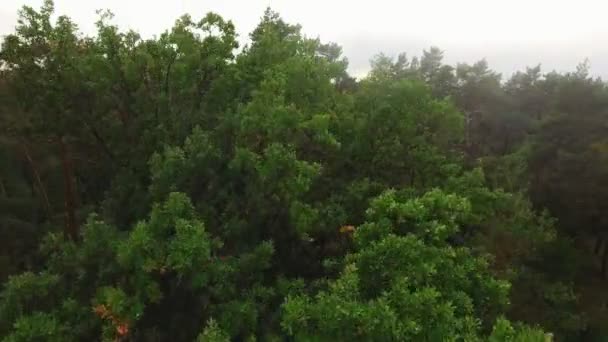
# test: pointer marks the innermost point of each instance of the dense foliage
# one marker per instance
(171, 188)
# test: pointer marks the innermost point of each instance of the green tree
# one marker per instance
(404, 281)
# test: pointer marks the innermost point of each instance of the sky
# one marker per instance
(510, 35)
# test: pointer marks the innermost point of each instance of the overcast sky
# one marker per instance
(509, 34)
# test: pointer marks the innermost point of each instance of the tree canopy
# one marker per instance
(184, 188)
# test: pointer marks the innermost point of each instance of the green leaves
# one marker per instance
(173, 240)
(25, 293)
(504, 331)
(213, 333)
(191, 246)
(405, 278)
(265, 194)
(434, 216)
(39, 326)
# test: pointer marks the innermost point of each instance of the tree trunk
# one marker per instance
(71, 224)
(598, 245)
(101, 142)
(39, 185)
(505, 144)
(2, 188)
(412, 177)
(604, 262)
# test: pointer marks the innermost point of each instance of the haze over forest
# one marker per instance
(510, 35)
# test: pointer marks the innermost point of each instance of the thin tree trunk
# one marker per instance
(605, 262)
(505, 144)
(167, 86)
(101, 142)
(71, 225)
(167, 74)
(2, 187)
(40, 186)
(598, 245)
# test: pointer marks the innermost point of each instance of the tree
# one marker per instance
(404, 281)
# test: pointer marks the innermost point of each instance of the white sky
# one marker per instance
(510, 34)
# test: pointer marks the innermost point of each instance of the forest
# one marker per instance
(185, 188)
